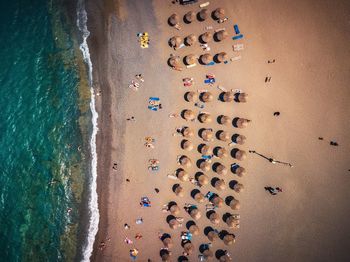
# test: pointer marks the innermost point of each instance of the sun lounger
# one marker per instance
(237, 37)
(238, 47)
(204, 4)
(209, 81)
(189, 66)
(236, 29)
(211, 63)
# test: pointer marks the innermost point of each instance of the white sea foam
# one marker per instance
(93, 204)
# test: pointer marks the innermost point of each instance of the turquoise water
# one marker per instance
(41, 136)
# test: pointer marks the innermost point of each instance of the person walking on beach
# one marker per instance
(271, 160)
(273, 190)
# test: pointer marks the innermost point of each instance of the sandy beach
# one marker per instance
(308, 221)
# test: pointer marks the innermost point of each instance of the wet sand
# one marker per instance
(308, 221)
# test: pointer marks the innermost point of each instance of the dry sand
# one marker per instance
(308, 221)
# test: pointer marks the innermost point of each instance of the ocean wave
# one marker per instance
(93, 204)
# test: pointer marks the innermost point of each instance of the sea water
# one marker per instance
(46, 134)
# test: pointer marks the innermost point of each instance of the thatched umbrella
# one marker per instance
(232, 222)
(173, 223)
(191, 96)
(203, 14)
(189, 115)
(168, 242)
(206, 150)
(242, 122)
(221, 35)
(221, 57)
(182, 175)
(206, 58)
(190, 16)
(228, 97)
(174, 61)
(203, 179)
(187, 132)
(207, 135)
(219, 13)
(220, 152)
(185, 161)
(175, 41)
(208, 253)
(224, 120)
(238, 187)
(165, 255)
(220, 184)
(217, 201)
(199, 197)
(212, 236)
(229, 239)
(186, 145)
(204, 166)
(214, 218)
(224, 136)
(205, 118)
(179, 191)
(174, 19)
(225, 258)
(195, 214)
(174, 209)
(206, 37)
(241, 97)
(194, 229)
(234, 204)
(206, 97)
(239, 154)
(191, 39)
(190, 59)
(239, 139)
(188, 247)
(220, 169)
(240, 171)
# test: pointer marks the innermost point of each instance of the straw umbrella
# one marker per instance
(191, 96)
(190, 16)
(203, 179)
(224, 136)
(206, 58)
(239, 154)
(212, 236)
(238, 187)
(199, 197)
(220, 184)
(239, 139)
(228, 97)
(232, 222)
(188, 247)
(240, 171)
(179, 191)
(191, 39)
(221, 57)
(242, 122)
(190, 59)
(194, 229)
(195, 214)
(205, 118)
(206, 150)
(174, 19)
(206, 37)
(225, 258)
(208, 253)
(221, 35)
(165, 255)
(174, 209)
(203, 14)
(187, 132)
(204, 166)
(214, 218)
(207, 97)
(185, 161)
(229, 239)
(234, 204)
(182, 175)
(207, 135)
(217, 201)
(175, 41)
(219, 13)
(174, 61)
(241, 97)
(173, 223)
(224, 120)
(220, 169)
(189, 115)
(168, 242)
(187, 145)
(220, 152)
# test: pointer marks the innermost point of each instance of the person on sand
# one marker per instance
(115, 165)
(273, 191)
(271, 61)
(332, 143)
(139, 77)
(128, 241)
(131, 119)
(139, 221)
(138, 236)
(133, 253)
(126, 226)
(276, 113)
(102, 245)
(157, 190)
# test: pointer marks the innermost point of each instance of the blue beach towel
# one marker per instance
(236, 29)
(209, 81)
(237, 37)
(154, 98)
(211, 63)
(154, 108)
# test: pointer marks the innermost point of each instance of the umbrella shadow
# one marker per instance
(198, 174)
(165, 236)
(207, 230)
(234, 168)
(216, 150)
(182, 259)
(184, 242)
(222, 234)
(163, 252)
(186, 96)
(228, 200)
(199, 18)
(200, 61)
(182, 144)
(235, 121)
(219, 253)
(232, 183)
(236, 95)
(200, 147)
(226, 216)
(194, 192)
(175, 186)
(218, 133)
(169, 218)
(234, 152)
(234, 138)
(221, 98)
(178, 171)
(216, 38)
(214, 180)
(184, 19)
(189, 224)
(209, 213)
(216, 57)
(172, 203)
(215, 166)
(200, 132)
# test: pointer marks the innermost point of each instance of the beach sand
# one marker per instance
(308, 221)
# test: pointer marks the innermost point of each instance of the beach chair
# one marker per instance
(189, 66)
(238, 47)
(237, 37)
(204, 4)
(209, 81)
(236, 58)
(236, 29)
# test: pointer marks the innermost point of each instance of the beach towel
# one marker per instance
(209, 81)
(236, 29)
(153, 108)
(154, 98)
(237, 37)
(211, 63)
